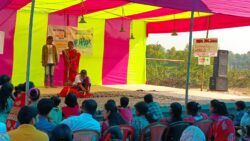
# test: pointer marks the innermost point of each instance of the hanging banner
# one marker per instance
(1, 42)
(82, 38)
(204, 61)
(205, 47)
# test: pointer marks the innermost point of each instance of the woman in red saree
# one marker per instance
(71, 63)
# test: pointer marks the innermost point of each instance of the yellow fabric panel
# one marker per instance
(93, 63)
(129, 9)
(21, 46)
(49, 6)
(137, 54)
(183, 15)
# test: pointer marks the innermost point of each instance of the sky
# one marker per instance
(236, 40)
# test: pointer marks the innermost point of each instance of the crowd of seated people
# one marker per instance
(44, 120)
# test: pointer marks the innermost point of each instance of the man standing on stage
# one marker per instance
(49, 60)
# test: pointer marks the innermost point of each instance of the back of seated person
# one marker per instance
(6, 103)
(56, 113)
(114, 134)
(72, 108)
(193, 110)
(4, 136)
(240, 108)
(61, 133)
(175, 113)
(85, 121)
(143, 118)
(153, 107)
(111, 116)
(125, 111)
(27, 131)
(44, 107)
(192, 133)
(34, 95)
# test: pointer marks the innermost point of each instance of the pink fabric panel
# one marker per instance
(7, 25)
(217, 21)
(92, 6)
(17, 4)
(56, 19)
(116, 52)
(4, 3)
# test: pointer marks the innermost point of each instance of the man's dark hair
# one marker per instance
(241, 105)
(34, 94)
(83, 72)
(148, 98)
(49, 37)
(71, 100)
(89, 106)
(26, 114)
(56, 100)
(4, 79)
(124, 101)
(61, 133)
(44, 106)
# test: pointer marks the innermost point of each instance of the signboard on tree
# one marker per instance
(205, 47)
(204, 61)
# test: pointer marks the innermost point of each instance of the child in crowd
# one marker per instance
(82, 82)
(55, 114)
(223, 128)
(34, 95)
(61, 133)
(143, 118)
(111, 116)
(193, 110)
(153, 107)
(6, 103)
(72, 108)
(240, 107)
(125, 111)
(44, 107)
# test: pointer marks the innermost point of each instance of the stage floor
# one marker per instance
(164, 95)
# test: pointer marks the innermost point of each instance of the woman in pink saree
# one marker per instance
(71, 63)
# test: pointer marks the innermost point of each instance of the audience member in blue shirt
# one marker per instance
(85, 121)
(6, 102)
(240, 107)
(143, 118)
(153, 107)
(55, 114)
(44, 107)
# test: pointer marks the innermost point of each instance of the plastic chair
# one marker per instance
(204, 125)
(155, 130)
(86, 135)
(128, 132)
(175, 130)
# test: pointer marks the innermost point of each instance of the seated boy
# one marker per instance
(82, 82)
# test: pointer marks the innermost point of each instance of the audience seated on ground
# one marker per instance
(223, 128)
(240, 108)
(4, 136)
(125, 111)
(4, 79)
(20, 99)
(44, 107)
(85, 121)
(55, 114)
(27, 131)
(34, 95)
(153, 107)
(61, 133)
(193, 110)
(143, 118)
(192, 133)
(72, 107)
(6, 103)
(175, 111)
(111, 116)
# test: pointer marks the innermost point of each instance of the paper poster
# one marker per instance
(205, 47)
(82, 38)
(1, 42)
(204, 61)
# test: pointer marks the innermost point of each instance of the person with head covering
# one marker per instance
(192, 133)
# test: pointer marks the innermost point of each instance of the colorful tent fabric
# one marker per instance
(116, 59)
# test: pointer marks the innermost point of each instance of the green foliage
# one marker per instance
(174, 74)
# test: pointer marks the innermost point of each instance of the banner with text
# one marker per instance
(1, 42)
(82, 38)
(205, 47)
(204, 61)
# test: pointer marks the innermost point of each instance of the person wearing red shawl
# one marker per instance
(71, 63)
